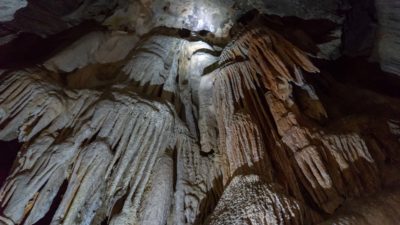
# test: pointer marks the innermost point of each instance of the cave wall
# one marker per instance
(187, 113)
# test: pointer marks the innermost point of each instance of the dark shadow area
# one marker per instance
(360, 29)
(248, 17)
(207, 206)
(8, 154)
(30, 49)
(191, 36)
(8, 151)
(358, 71)
(305, 34)
(46, 220)
(184, 33)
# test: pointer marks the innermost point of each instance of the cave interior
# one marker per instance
(214, 112)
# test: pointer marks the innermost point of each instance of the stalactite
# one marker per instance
(101, 149)
(175, 130)
(113, 146)
(256, 82)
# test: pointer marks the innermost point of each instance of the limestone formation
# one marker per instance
(176, 113)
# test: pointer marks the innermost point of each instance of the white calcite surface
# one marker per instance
(93, 48)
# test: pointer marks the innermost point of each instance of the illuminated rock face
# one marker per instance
(190, 128)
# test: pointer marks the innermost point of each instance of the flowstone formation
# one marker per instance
(219, 121)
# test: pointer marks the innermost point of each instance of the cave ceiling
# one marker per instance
(352, 28)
